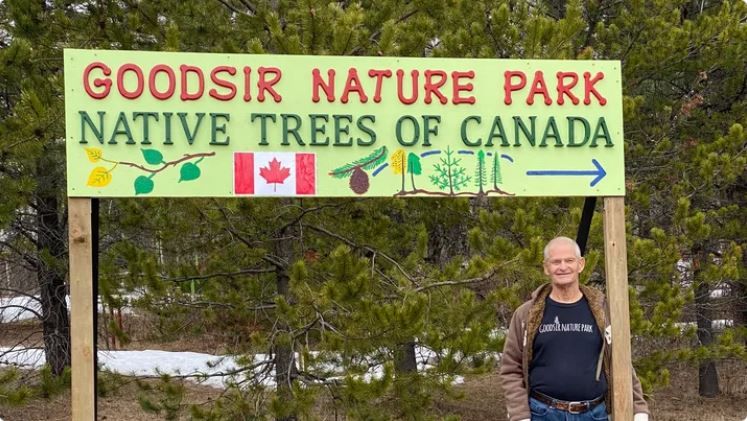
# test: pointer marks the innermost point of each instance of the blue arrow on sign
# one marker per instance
(599, 172)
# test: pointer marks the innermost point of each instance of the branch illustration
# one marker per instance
(365, 163)
(186, 157)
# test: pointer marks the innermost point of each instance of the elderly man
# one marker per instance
(556, 360)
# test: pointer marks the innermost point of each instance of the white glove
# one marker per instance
(641, 416)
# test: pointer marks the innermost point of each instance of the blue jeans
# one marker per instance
(543, 412)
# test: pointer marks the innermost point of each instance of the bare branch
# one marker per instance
(19, 292)
(251, 271)
(369, 250)
(22, 308)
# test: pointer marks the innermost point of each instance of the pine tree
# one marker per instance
(413, 168)
(450, 174)
(496, 171)
(481, 175)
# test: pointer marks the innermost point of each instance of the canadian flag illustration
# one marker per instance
(274, 173)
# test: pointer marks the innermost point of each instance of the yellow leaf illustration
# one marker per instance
(99, 177)
(94, 154)
(397, 161)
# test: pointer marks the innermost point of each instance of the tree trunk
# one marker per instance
(707, 374)
(285, 363)
(741, 310)
(405, 362)
(740, 292)
(49, 264)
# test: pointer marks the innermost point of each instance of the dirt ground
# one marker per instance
(482, 395)
(482, 401)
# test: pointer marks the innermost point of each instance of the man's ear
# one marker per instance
(582, 264)
(544, 268)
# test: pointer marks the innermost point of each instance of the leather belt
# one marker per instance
(573, 407)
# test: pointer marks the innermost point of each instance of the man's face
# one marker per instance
(562, 265)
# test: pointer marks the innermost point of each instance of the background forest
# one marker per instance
(331, 288)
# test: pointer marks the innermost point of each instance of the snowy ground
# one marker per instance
(211, 370)
(16, 309)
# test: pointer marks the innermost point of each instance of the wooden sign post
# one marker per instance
(616, 268)
(162, 124)
(81, 309)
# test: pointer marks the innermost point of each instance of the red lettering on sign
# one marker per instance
(379, 75)
(98, 82)
(458, 88)
(509, 87)
(247, 83)
(565, 89)
(215, 78)
(539, 87)
(589, 88)
(353, 84)
(400, 94)
(185, 94)
(139, 78)
(432, 88)
(170, 77)
(265, 84)
(328, 88)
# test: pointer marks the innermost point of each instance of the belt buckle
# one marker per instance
(580, 403)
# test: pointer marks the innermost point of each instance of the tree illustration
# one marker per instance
(397, 162)
(496, 171)
(481, 176)
(449, 174)
(413, 168)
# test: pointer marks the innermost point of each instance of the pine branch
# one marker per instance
(303, 213)
(368, 249)
(367, 163)
(373, 38)
(250, 271)
(469, 281)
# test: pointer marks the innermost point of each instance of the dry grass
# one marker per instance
(482, 398)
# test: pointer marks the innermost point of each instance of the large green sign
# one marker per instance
(189, 124)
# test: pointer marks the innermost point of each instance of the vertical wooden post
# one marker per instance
(81, 308)
(616, 267)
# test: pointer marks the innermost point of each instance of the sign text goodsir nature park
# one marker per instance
(197, 125)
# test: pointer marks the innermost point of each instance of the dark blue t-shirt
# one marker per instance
(565, 353)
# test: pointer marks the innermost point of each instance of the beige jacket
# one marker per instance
(517, 352)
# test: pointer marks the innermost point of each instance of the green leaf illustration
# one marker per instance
(152, 156)
(143, 185)
(413, 164)
(189, 172)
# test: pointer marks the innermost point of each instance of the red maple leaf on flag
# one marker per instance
(275, 173)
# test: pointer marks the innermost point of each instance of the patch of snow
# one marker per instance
(718, 324)
(211, 370)
(19, 308)
(720, 292)
(15, 309)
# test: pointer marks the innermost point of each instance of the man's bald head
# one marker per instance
(561, 240)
